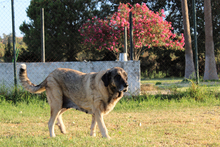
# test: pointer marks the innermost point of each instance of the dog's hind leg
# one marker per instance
(55, 101)
(60, 121)
(93, 126)
(51, 123)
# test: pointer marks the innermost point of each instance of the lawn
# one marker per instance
(167, 85)
(190, 118)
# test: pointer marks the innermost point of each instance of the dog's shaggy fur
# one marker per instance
(94, 93)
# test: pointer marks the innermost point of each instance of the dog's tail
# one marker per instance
(26, 83)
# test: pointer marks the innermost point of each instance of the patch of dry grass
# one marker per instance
(152, 89)
(195, 126)
(148, 87)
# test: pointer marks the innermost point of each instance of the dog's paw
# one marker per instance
(107, 137)
(23, 66)
(93, 134)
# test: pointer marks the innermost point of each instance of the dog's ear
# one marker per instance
(106, 78)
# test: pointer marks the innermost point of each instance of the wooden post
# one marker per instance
(42, 36)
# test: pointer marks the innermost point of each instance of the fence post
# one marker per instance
(131, 36)
(42, 36)
(14, 47)
(125, 34)
(195, 41)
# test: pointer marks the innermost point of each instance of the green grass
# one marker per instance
(179, 85)
(188, 118)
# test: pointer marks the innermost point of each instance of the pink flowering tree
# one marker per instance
(149, 30)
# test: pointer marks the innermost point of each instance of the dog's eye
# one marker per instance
(117, 77)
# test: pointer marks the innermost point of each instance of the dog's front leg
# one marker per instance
(93, 126)
(101, 124)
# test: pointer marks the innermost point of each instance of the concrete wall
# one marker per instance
(38, 71)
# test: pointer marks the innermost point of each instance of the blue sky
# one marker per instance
(20, 7)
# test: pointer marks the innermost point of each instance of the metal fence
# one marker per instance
(63, 42)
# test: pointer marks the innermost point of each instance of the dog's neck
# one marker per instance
(113, 93)
(113, 97)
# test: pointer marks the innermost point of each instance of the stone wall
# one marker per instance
(38, 71)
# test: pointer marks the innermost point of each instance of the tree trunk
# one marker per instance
(210, 64)
(189, 64)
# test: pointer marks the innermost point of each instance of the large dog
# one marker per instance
(95, 93)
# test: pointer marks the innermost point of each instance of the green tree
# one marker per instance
(2, 49)
(8, 52)
(62, 21)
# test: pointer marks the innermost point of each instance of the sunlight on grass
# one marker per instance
(186, 116)
(195, 126)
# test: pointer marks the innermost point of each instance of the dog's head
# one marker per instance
(116, 78)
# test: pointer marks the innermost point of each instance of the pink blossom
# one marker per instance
(149, 28)
(137, 5)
